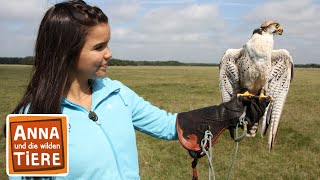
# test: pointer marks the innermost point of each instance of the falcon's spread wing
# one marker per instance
(279, 82)
(229, 75)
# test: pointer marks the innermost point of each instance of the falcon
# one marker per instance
(257, 69)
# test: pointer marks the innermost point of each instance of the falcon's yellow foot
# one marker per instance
(247, 94)
(264, 96)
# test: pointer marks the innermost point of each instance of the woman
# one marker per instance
(71, 56)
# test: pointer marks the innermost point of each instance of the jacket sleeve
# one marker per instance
(148, 118)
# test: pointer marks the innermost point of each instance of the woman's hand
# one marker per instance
(191, 126)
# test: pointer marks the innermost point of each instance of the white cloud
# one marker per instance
(189, 31)
(120, 11)
(166, 2)
(17, 10)
(15, 43)
(182, 19)
(19, 21)
(170, 32)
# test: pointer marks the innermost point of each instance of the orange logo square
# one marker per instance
(37, 145)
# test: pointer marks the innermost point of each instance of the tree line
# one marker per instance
(29, 60)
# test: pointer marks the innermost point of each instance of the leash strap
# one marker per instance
(237, 139)
(207, 149)
(194, 168)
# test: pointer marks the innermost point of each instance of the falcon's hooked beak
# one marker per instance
(279, 29)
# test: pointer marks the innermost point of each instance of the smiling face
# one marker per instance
(94, 55)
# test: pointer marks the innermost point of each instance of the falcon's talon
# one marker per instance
(261, 96)
(246, 94)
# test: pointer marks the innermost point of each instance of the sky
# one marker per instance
(193, 31)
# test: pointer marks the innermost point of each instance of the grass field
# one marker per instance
(296, 154)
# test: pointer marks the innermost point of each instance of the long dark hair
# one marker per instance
(61, 36)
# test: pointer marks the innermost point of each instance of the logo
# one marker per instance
(37, 145)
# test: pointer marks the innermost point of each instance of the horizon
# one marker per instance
(154, 61)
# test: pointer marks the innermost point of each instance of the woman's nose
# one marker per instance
(108, 54)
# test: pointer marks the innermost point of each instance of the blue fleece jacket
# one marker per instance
(106, 149)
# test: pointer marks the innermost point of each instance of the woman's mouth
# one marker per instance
(104, 65)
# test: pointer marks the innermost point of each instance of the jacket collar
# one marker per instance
(101, 89)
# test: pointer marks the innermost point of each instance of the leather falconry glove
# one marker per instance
(191, 126)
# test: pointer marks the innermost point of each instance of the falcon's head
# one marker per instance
(269, 26)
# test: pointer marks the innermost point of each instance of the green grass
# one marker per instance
(297, 150)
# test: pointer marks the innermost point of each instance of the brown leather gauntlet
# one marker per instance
(191, 126)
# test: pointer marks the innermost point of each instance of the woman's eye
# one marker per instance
(100, 47)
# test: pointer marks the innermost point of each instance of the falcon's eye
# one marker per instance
(277, 25)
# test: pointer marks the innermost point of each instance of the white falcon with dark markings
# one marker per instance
(257, 69)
